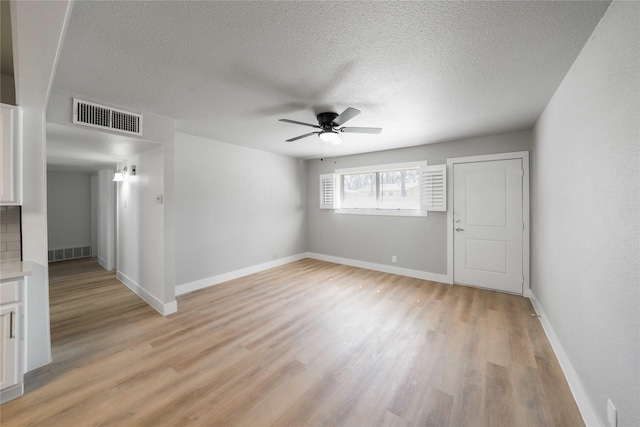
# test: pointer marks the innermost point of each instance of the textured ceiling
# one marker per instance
(423, 71)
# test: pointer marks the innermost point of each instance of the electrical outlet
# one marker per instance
(394, 258)
(612, 414)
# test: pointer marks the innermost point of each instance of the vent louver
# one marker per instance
(434, 188)
(329, 196)
(103, 117)
(69, 253)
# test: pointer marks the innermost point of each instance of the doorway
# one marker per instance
(488, 222)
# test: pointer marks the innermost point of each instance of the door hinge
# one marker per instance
(522, 225)
(521, 172)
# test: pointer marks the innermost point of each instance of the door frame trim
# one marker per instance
(522, 155)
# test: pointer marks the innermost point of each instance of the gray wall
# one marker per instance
(585, 210)
(419, 243)
(7, 89)
(68, 210)
(235, 207)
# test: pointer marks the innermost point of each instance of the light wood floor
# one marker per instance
(307, 344)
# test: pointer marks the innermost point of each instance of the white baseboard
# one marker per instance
(417, 274)
(11, 393)
(102, 262)
(589, 414)
(225, 277)
(162, 308)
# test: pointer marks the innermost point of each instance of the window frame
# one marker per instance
(417, 212)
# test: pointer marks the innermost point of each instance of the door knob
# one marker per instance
(459, 229)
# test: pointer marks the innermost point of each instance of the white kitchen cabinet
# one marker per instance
(11, 341)
(11, 151)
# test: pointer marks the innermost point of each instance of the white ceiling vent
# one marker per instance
(103, 117)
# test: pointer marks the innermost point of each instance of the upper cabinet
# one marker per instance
(11, 151)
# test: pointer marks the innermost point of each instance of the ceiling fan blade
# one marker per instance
(346, 115)
(302, 136)
(361, 130)
(299, 123)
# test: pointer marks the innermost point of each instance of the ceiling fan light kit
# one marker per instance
(329, 125)
(330, 136)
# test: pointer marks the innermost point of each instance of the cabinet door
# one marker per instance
(10, 362)
(10, 186)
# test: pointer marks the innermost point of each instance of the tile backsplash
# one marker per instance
(10, 233)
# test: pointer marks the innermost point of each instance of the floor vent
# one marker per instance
(103, 117)
(69, 253)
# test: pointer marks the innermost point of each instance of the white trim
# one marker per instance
(94, 215)
(111, 219)
(524, 156)
(12, 392)
(221, 278)
(586, 407)
(102, 262)
(385, 167)
(433, 188)
(383, 212)
(417, 274)
(162, 308)
(329, 191)
(224, 277)
(414, 165)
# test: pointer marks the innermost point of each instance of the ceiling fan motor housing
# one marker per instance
(326, 120)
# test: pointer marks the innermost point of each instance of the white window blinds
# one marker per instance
(433, 188)
(329, 191)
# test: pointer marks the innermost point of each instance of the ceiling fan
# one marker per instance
(329, 125)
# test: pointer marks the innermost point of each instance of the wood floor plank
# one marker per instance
(499, 400)
(309, 343)
(529, 395)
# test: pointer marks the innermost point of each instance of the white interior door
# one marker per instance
(488, 224)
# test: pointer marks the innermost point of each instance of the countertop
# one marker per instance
(14, 269)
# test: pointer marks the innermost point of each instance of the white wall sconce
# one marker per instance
(119, 175)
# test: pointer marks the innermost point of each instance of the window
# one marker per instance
(403, 189)
(397, 189)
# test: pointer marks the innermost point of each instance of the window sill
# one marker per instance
(382, 212)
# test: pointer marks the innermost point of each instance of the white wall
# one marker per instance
(235, 207)
(141, 226)
(37, 31)
(419, 243)
(105, 216)
(585, 216)
(68, 210)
